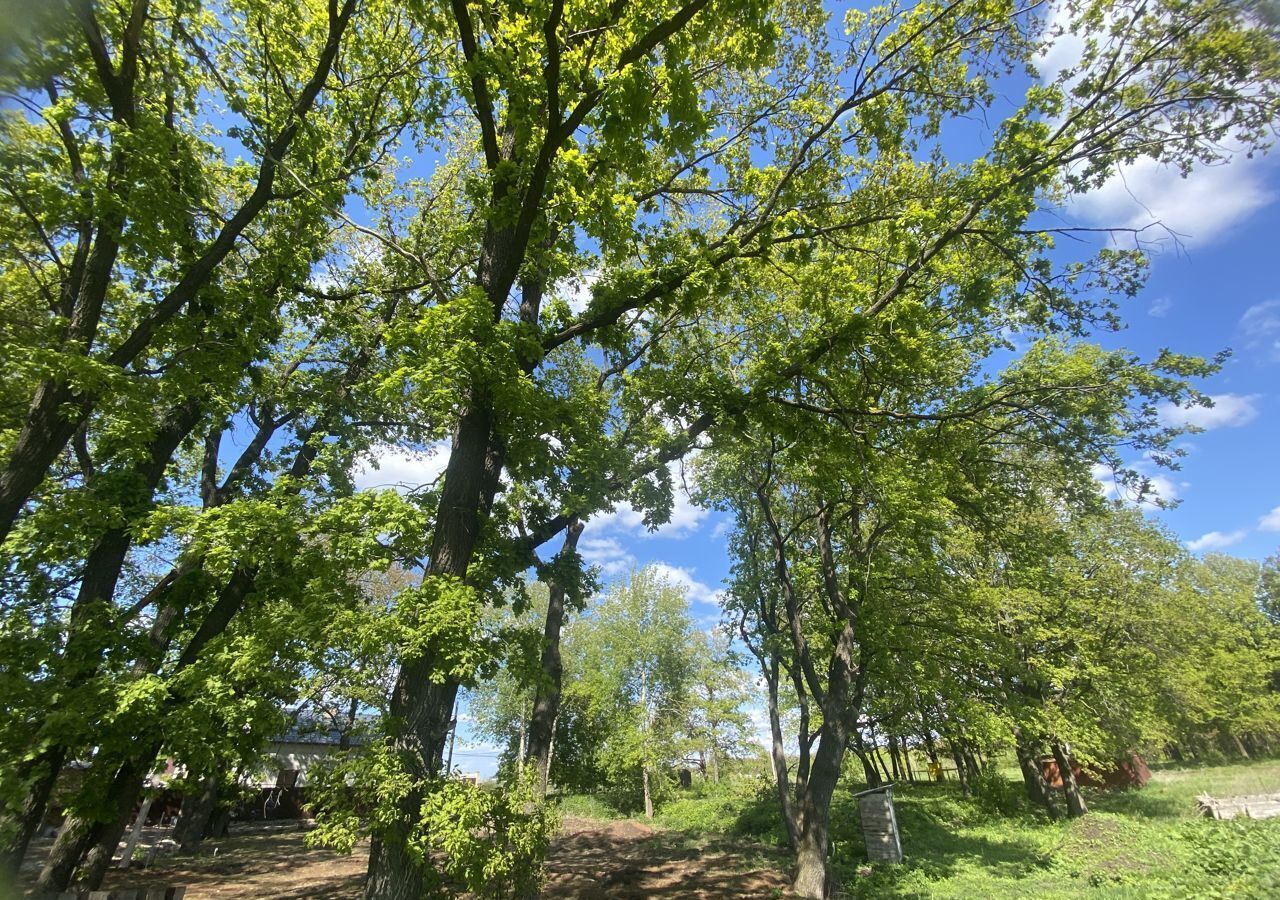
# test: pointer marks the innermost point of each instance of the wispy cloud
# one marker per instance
(1271, 521)
(1260, 329)
(607, 553)
(1160, 307)
(679, 576)
(1199, 208)
(1227, 411)
(402, 468)
(1217, 540)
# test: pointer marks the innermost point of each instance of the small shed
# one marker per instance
(879, 824)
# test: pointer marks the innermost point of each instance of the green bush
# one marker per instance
(490, 842)
(1239, 859)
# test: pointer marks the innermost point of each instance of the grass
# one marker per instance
(1148, 843)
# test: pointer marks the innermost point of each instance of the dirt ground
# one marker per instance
(589, 860)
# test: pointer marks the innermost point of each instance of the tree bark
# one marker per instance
(95, 841)
(546, 701)
(811, 854)
(1070, 788)
(196, 814)
(421, 704)
(648, 798)
(41, 774)
(778, 756)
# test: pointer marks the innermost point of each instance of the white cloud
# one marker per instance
(1271, 521)
(686, 516)
(683, 578)
(1228, 411)
(607, 553)
(1216, 540)
(1260, 327)
(1201, 208)
(576, 290)
(1160, 307)
(1160, 487)
(402, 468)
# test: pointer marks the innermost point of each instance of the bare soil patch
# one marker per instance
(590, 859)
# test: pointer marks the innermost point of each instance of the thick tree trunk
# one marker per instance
(546, 701)
(40, 774)
(811, 853)
(421, 704)
(1038, 790)
(95, 841)
(1070, 788)
(196, 814)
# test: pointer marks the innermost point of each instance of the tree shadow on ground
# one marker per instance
(628, 860)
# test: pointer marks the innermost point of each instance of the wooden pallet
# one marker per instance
(1266, 806)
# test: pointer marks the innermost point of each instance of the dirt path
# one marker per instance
(627, 859)
(590, 859)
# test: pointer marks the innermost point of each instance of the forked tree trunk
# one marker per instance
(1038, 790)
(1070, 787)
(95, 841)
(546, 701)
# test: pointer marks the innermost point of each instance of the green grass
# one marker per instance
(1148, 843)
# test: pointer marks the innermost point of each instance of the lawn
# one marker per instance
(1144, 843)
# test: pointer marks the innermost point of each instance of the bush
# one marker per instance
(996, 793)
(1237, 859)
(489, 841)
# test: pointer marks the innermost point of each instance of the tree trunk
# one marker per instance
(895, 758)
(778, 756)
(961, 770)
(1038, 790)
(879, 758)
(648, 798)
(95, 841)
(82, 656)
(1070, 788)
(546, 701)
(196, 814)
(544, 776)
(811, 852)
(41, 775)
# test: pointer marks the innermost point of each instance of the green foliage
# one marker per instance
(488, 840)
(494, 840)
